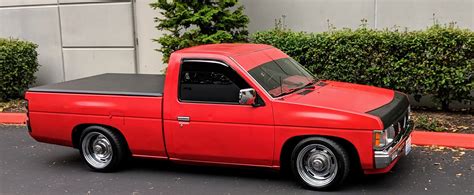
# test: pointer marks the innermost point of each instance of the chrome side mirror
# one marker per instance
(247, 96)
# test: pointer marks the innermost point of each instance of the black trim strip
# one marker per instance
(390, 112)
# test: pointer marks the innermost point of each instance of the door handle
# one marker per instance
(183, 118)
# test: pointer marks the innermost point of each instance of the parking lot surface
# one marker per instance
(29, 167)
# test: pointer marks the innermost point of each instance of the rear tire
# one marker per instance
(102, 149)
(320, 163)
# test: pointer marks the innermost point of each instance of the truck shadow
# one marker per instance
(149, 169)
(200, 169)
(354, 181)
(67, 161)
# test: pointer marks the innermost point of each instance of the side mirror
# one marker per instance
(247, 96)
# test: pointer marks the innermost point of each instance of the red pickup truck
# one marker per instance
(227, 104)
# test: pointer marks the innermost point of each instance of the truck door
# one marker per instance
(206, 123)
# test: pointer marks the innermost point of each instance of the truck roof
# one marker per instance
(226, 49)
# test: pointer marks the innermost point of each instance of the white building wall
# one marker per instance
(76, 38)
(315, 15)
(79, 38)
(418, 14)
(39, 24)
(308, 15)
(97, 38)
(97, 25)
(148, 58)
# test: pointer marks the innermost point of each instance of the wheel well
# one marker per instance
(77, 131)
(287, 149)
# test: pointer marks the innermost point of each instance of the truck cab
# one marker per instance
(227, 104)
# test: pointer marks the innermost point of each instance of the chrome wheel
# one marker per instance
(317, 165)
(97, 150)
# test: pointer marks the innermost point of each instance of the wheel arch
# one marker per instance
(78, 129)
(289, 144)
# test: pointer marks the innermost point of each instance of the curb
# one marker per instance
(423, 138)
(443, 139)
(12, 118)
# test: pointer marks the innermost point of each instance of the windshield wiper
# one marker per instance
(288, 92)
(308, 85)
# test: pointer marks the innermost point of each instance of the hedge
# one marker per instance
(438, 61)
(18, 64)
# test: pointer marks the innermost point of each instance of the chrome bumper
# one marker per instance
(385, 157)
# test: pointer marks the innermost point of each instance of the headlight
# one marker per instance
(384, 137)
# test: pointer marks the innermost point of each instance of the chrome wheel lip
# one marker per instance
(97, 150)
(317, 165)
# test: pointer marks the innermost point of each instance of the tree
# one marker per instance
(196, 22)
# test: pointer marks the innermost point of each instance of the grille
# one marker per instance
(401, 123)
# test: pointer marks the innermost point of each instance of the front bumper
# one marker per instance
(384, 158)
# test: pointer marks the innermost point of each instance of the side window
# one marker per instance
(209, 82)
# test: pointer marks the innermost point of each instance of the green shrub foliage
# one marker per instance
(18, 64)
(438, 61)
(196, 22)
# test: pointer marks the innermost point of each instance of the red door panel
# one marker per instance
(222, 133)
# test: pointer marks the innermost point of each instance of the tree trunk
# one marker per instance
(445, 105)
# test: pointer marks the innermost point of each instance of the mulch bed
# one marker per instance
(13, 106)
(452, 122)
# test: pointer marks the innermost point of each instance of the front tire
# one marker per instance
(320, 163)
(102, 149)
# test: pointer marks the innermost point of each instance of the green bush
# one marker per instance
(197, 22)
(438, 61)
(18, 64)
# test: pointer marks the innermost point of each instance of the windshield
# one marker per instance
(282, 76)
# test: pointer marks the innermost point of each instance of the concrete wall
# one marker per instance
(39, 24)
(76, 38)
(79, 38)
(417, 14)
(97, 38)
(149, 59)
(315, 15)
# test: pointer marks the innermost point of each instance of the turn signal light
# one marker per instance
(377, 136)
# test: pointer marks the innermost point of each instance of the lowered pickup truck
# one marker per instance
(227, 104)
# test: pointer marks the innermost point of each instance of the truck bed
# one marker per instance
(110, 84)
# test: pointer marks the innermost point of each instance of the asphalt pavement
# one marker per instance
(29, 167)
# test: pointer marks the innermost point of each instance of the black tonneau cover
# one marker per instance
(110, 84)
